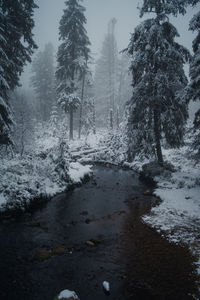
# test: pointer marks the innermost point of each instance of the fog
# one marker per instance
(98, 14)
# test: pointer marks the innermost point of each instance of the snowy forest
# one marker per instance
(100, 150)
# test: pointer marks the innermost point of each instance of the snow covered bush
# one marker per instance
(43, 173)
(116, 148)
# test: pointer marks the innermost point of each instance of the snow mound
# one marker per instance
(66, 294)
(106, 286)
(77, 172)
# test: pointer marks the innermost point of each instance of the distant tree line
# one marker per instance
(146, 85)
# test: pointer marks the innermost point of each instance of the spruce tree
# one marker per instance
(193, 90)
(43, 80)
(5, 113)
(72, 57)
(106, 77)
(16, 48)
(156, 111)
(123, 85)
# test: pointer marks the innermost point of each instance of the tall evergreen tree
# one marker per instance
(16, 48)
(193, 90)
(43, 80)
(156, 111)
(72, 57)
(106, 76)
(124, 84)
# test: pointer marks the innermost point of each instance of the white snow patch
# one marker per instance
(106, 286)
(2, 199)
(178, 215)
(67, 294)
(77, 171)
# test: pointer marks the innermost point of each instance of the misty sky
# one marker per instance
(98, 13)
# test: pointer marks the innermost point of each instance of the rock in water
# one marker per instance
(67, 295)
(89, 243)
(106, 286)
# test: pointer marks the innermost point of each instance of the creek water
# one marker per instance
(136, 261)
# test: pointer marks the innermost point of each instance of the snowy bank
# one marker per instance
(42, 175)
(178, 215)
(78, 172)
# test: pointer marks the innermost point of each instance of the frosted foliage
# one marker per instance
(68, 100)
(158, 78)
(16, 48)
(173, 7)
(73, 53)
(46, 171)
(193, 90)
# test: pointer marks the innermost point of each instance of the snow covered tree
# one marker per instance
(73, 55)
(106, 77)
(43, 80)
(156, 111)
(193, 90)
(54, 119)
(89, 116)
(23, 110)
(16, 48)
(124, 85)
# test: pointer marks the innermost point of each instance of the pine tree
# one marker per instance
(23, 110)
(156, 111)
(16, 48)
(54, 119)
(72, 57)
(43, 80)
(124, 85)
(193, 90)
(5, 113)
(89, 109)
(106, 77)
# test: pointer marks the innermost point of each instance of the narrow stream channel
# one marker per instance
(47, 251)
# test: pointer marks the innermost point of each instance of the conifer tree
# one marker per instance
(43, 80)
(155, 110)
(193, 90)
(106, 77)
(124, 85)
(16, 48)
(72, 57)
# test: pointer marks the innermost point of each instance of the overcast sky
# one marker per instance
(98, 13)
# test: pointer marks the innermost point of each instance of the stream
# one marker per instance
(89, 235)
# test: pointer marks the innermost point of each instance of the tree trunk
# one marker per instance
(118, 121)
(71, 123)
(94, 118)
(157, 138)
(81, 108)
(111, 119)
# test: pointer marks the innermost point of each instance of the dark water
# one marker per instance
(136, 261)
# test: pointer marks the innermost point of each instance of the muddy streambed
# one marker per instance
(92, 234)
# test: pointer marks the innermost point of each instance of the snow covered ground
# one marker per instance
(178, 215)
(45, 172)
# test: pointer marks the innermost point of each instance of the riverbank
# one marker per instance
(51, 252)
